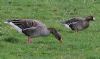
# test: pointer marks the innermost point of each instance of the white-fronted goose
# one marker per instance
(33, 28)
(77, 23)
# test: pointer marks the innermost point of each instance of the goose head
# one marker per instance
(56, 34)
(90, 18)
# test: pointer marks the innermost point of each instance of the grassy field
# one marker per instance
(82, 45)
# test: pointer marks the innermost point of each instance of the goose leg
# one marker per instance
(76, 31)
(29, 40)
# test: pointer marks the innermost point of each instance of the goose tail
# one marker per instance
(13, 25)
(63, 22)
(7, 21)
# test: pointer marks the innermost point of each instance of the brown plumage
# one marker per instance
(33, 28)
(78, 24)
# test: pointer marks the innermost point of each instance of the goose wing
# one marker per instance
(72, 21)
(22, 24)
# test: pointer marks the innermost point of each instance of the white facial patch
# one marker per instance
(93, 18)
(16, 27)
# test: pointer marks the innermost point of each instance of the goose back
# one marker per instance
(73, 20)
(79, 25)
(40, 30)
(30, 27)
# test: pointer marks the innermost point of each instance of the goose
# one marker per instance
(33, 28)
(78, 23)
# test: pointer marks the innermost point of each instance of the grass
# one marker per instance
(82, 45)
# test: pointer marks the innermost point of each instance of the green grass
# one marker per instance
(82, 45)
